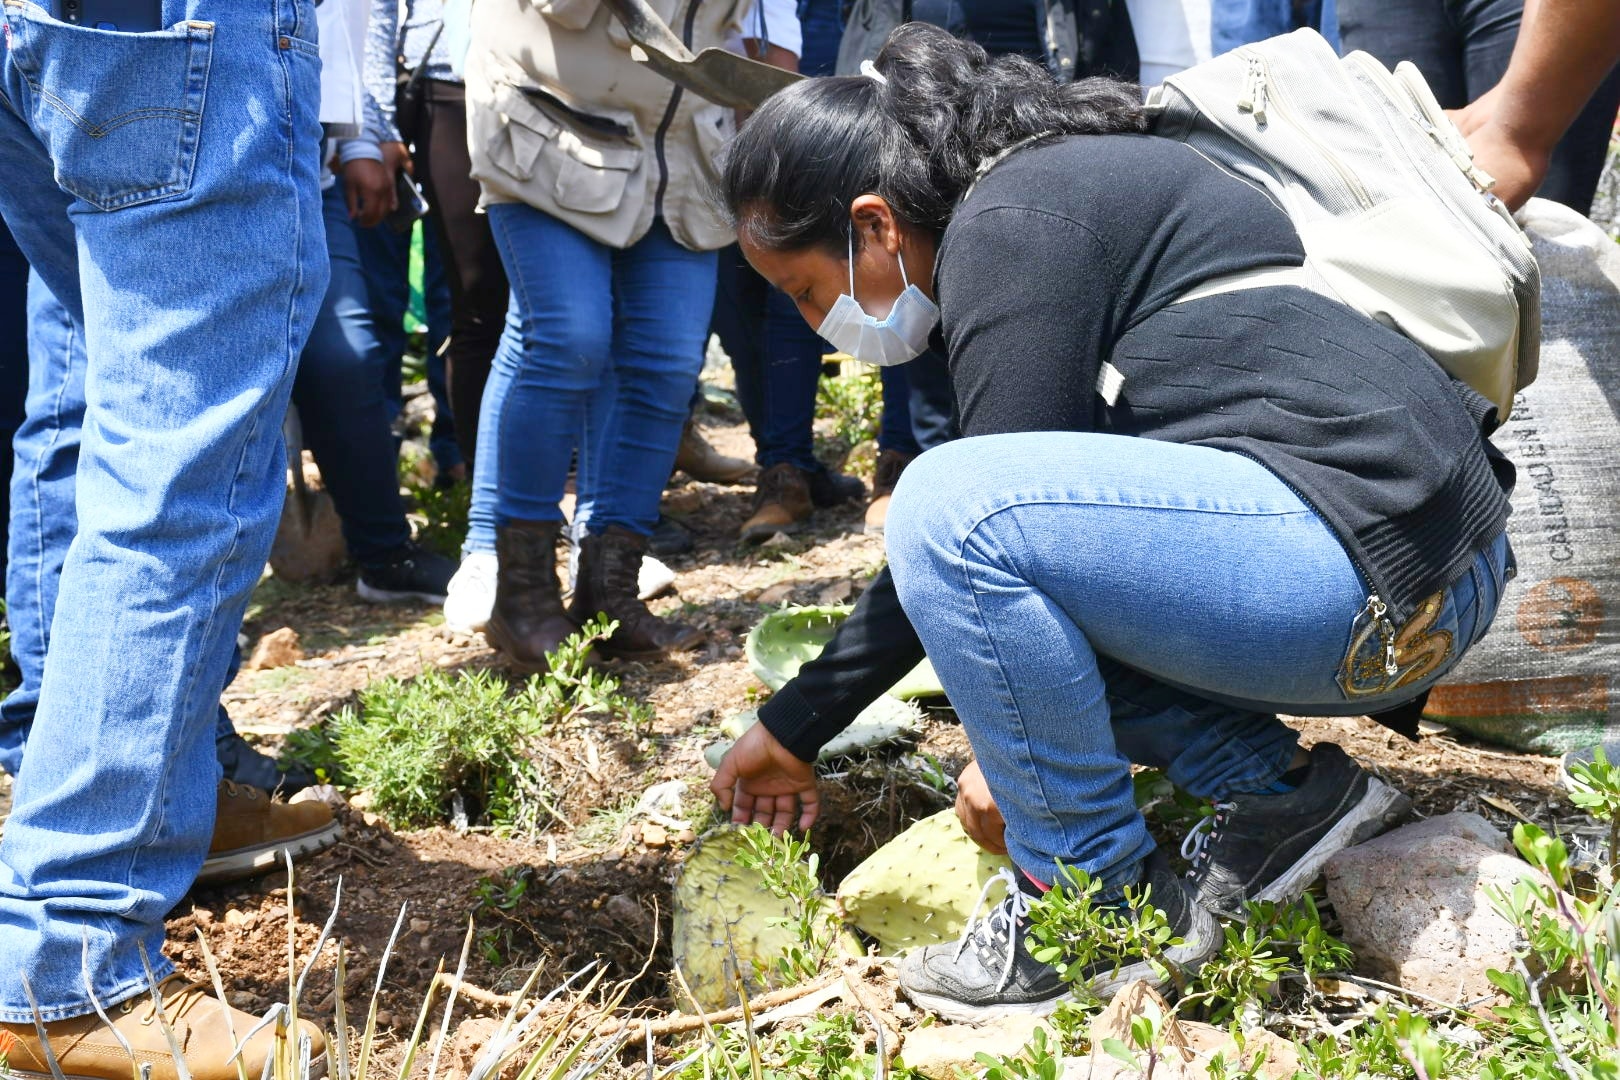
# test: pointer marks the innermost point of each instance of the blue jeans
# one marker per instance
(13, 365)
(183, 242)
(601, 352)
(1095, 600)
(342, 399)
(1234, 23)
(385, 260)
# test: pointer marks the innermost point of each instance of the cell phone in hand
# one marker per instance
(412, 204)
(124, 16)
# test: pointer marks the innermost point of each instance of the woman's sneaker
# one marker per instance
(989, 971)
(471, 595)
(409, 572)
(1271, 847)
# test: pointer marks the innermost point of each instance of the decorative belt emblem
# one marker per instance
(1382, 659)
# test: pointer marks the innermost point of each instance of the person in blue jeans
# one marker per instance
(343, 405)
(1170, 516)
(13, 369)
(164, 188)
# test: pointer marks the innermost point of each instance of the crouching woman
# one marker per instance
(1189, 495)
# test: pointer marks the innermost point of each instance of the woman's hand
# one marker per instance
(368, 187)
(759, 780)
(976, 808)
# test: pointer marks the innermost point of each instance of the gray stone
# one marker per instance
(1415, 906)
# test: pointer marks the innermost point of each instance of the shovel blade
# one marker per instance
(720, 76)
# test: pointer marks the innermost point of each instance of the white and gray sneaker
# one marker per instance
(989, 972)
(471, 595)
(1271, 847)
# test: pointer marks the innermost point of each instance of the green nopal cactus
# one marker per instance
(921, 887)
(727, 925)
(786, 638)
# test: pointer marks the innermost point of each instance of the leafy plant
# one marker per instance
(1597, 791)
(854, 403)
(788, 868)
(1072, 930)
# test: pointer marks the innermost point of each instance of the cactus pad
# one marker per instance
(921, 887)
(786, 638)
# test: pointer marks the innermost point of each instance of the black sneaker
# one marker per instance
(989, 971)
(828, 488)
(409, 572)
(1271, 847)
(670, 537)
(244, 765)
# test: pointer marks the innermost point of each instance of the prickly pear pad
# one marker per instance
(920, 887)
(789, 636)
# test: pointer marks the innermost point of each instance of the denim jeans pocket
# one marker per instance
(120, 113)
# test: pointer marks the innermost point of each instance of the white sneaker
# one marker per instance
(471, 596)
(654, 578)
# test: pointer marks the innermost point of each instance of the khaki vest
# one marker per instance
(560, 117)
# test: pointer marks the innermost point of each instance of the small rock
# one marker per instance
(426, 944)
(277, 649)
(447, 660)
(420, 926)
(623, 909)
(385, 1018)
(324, 793)
(203, 916)
(945, 1051)
(836, 593)
(363, 801)
(776, 593)
(368, 896)
(242, 999)
(780, 540)
(685, 836)
(235, 917)
(654, 835)
(1414, 904)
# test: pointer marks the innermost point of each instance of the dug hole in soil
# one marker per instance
(599, 889)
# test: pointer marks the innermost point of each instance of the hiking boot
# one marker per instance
(243, 764)
(890, 464)
(609, 563)
(828, 488)
(989, 972)
(697, 459)
(85, 1048)
(528, 620)
(781, 503)
(471, 594)
(408, 572)
(1271, 847)
(251, 830)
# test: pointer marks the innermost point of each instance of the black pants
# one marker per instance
(472, 264)
(1462, 47)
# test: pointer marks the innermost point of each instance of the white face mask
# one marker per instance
(900, 337)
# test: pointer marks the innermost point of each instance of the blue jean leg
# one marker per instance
(342, 403)
(486, 463)
(13, 365)
(602, 351)
(207, 149)
(1089, 600)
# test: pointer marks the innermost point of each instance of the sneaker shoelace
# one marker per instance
(1002, 920)
(176, 1002)
(1195, 846)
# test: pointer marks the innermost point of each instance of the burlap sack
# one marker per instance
(1543, 679)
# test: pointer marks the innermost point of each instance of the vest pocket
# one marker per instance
(121, 114)
(584, 160)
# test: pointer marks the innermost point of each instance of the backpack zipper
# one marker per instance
(1261, 91)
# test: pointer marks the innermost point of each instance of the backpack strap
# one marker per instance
(1258, 278)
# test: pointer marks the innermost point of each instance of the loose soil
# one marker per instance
(599, 887)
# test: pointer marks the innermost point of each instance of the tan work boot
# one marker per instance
(890, 464)
(251, 830)
(781, 503)
(697, 459)
(85, 1048)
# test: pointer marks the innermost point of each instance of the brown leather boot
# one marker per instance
(251, 830)
(781, 503)
(890, 464)
(528, 620)
(606, 584)
(697, 459)
(85, 1048)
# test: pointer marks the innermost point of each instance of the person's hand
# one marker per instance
(1515, 160)
(976, 808)
(760, 780)
(397, 156)
(368, 187)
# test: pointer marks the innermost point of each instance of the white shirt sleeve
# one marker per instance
(774, 21)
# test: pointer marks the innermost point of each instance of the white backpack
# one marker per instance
(1394, 216)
